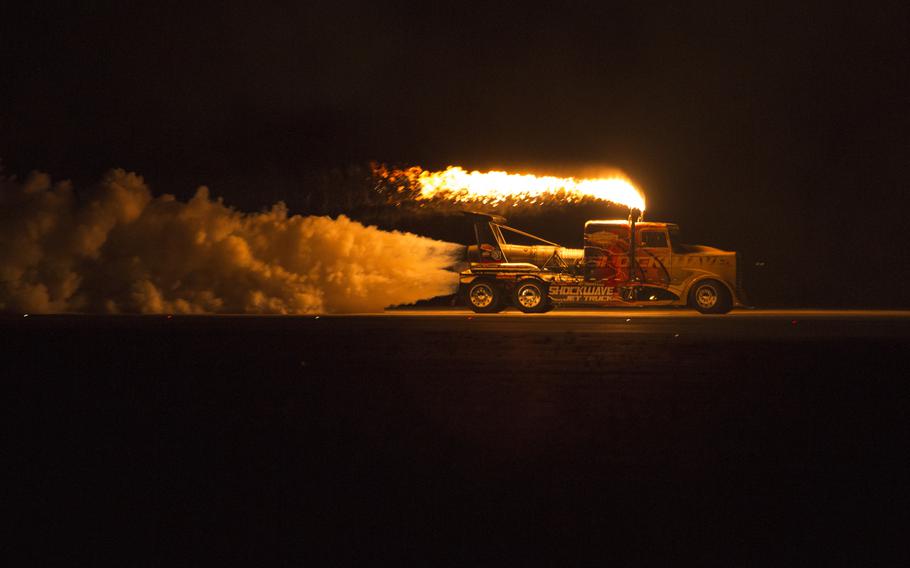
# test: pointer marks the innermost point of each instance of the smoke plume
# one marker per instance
(117, 249)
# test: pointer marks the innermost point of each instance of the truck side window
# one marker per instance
(653, 239)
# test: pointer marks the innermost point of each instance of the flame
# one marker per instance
(497, 187)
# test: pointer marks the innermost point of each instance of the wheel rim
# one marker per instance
(706, 296)
(529, 296)
(482, 295)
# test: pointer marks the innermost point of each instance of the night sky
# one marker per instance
(778, 132)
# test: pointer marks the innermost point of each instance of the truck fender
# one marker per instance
(709, 276)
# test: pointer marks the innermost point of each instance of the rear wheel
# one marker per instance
(531, 297)
(485, 297)
(710, 297)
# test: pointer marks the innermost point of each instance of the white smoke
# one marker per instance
(122, 251)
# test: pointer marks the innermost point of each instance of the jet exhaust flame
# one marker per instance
(493, 188)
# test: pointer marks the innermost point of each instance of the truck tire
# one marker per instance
(530, 296)
(484, 297)
(710, 297)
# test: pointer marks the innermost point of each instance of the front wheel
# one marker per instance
(485, 297)
(710, 297)
(531, 297)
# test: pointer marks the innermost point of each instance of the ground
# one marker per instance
(754, 437)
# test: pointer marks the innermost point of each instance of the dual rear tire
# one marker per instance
(485, 297)
(529, 296)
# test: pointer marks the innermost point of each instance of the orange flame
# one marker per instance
(496, 187)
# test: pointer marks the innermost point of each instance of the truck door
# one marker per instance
(607, 253)
(652, 254)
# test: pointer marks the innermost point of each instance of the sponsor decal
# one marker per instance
(602, 238)
(489, 251)
(583, 293)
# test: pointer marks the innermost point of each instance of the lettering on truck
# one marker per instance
(688, 260)
(565, 293)
(678, 260)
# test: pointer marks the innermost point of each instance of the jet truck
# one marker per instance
(623, 263)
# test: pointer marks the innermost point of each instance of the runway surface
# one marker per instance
(655, 313)
(447, 437)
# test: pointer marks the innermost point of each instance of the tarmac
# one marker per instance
(446, 437)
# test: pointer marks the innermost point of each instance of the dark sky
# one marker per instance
(779, 131)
